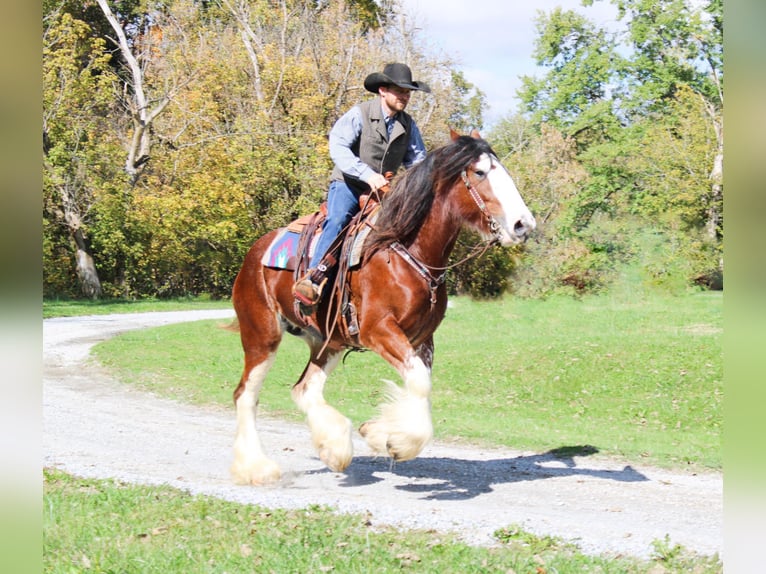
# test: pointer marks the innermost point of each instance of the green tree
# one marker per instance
(678, 45)
(77, 99)
(673, 187)
(547, 171)
(466, 104)
(583, 63)
(650, 114)
(674, 43)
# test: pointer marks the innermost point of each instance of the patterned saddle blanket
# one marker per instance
(283, 251)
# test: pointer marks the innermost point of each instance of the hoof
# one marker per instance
(398, 445)
(402, 447)
(335, 462)
(331, 435)
(376, 437)
(259, 473)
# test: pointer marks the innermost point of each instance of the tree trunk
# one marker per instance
(714, 216)
(253, 44)
(86, 268)
(716, 191)
(716, 173)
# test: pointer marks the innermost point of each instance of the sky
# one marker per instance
(493, 40)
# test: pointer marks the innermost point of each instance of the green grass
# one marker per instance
(106, 526)
(635, 375)
(70, 308)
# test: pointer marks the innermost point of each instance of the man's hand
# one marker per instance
(377, 181)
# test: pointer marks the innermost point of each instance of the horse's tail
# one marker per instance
(233, 326)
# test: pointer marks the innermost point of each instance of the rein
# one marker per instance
(477, 251)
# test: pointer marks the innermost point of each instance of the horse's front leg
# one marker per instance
(330, 430)
(404, 425)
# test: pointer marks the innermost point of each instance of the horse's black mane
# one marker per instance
(407, 204)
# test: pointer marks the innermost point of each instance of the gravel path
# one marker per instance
(93, 426)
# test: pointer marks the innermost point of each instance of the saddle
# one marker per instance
(344, 254)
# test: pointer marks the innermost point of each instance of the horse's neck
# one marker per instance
(436, 238)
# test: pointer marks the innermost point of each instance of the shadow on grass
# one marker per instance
(459, 479)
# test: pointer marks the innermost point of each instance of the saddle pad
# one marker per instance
(355, 253)
(283, 251)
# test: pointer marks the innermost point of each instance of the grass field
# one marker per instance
(68, 308)
(106, 526)
(637, 377)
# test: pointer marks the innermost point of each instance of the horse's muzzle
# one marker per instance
(524, 227)
(520, 231)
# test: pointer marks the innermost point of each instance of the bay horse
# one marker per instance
(398, 300)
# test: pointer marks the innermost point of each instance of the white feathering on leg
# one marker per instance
(251, 466)
(404, 425)
(330, 430)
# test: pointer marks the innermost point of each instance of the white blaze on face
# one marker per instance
(516, 220)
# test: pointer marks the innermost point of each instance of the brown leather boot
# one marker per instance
(307, 292)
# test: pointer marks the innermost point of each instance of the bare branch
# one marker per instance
(140, 146)
(282, 51)
(249, 39)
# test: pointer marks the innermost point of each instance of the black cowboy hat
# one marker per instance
(396, 74)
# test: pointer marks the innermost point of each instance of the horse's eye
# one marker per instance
(480, 173)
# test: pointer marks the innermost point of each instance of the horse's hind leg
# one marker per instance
(330, 430)
(260, 332)
(251, 465)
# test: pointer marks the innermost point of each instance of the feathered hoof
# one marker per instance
(331, 435)
(336, 462)
(398, 445)
(376, 440)
(404, 447)
(263, 471)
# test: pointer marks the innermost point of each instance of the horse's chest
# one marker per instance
(423, 324)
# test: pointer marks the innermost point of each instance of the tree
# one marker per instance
(672, 185)
(143, 110)
(77, 97)
(575, 95)
(545, 167)
(467, 105)
(633, 120)
(678, 45)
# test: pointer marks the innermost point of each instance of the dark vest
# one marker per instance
(374, 147)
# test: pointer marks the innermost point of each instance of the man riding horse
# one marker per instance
(372, 139)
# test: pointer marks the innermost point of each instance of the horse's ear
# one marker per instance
(454, 135)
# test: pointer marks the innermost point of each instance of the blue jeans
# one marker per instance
(342, 205)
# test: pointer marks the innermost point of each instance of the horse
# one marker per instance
(399, 305)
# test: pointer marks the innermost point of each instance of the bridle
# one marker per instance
(494, 225)
(478, 250)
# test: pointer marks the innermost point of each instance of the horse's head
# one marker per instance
(491, 187)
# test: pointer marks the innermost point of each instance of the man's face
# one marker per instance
(395, 98)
